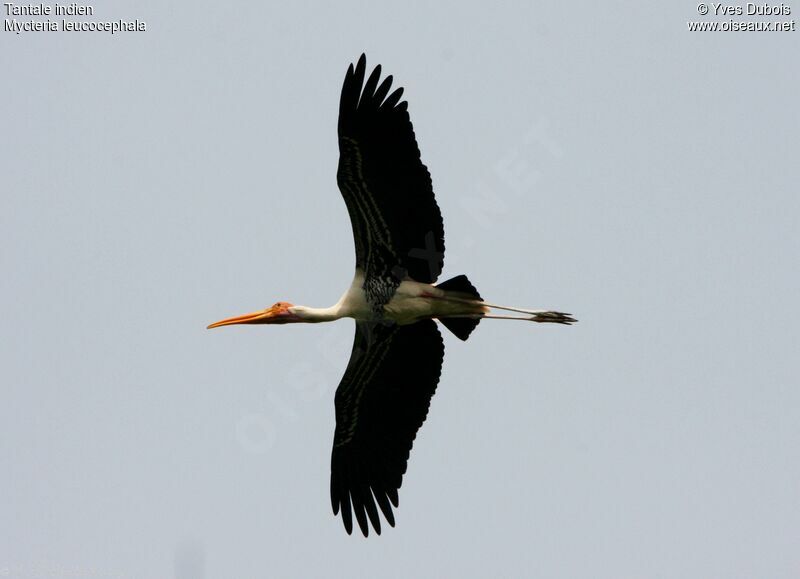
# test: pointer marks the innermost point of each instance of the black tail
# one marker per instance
(461, 327)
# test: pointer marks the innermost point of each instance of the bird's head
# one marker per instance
(279, 313)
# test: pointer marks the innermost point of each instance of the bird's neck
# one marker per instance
(314, 315)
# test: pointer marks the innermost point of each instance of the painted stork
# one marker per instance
(384, 395)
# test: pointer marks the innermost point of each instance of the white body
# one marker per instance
(413, 301)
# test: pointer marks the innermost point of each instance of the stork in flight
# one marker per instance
(397, 354)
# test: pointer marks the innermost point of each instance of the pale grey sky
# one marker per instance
(596, 158)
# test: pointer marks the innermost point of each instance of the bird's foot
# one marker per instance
(553, 318)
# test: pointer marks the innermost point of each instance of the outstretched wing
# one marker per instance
(396, 222)
(381, 402)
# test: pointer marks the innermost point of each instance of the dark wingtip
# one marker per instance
(347, 515)
(334, 496)
(358, 75)
(393, 98)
